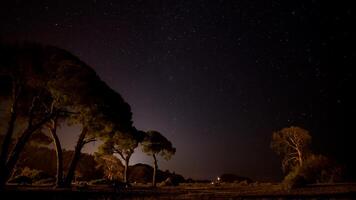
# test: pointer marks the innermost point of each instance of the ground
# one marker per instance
(185, 191)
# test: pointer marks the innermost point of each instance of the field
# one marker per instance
(185, 191)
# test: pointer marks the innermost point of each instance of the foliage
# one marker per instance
(316, 169)
(156, 144)
(121, 143)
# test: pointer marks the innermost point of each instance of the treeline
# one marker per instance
(43, 88)
(37, 164)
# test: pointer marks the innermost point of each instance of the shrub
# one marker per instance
(320, 169)
(315, 169)
(294, 180)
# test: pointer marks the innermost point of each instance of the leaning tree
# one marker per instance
(44, 84)
(155, 144)
(25, 82)
(97, 108)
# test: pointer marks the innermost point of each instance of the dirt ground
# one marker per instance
(184, 191)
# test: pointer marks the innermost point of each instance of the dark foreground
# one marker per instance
(187, 191)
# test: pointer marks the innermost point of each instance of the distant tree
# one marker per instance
(293, 145)
(123, 145)
(155, 144)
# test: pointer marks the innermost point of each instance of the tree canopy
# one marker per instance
(292, 144)
(156, 144)
(44, 81)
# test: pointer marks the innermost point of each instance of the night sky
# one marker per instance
(215, 77)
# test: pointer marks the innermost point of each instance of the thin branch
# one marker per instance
(120, 153)
(88, 141)
(290, 145)
(290, 159)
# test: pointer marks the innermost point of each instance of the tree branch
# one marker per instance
(88, 141)
(120, 153)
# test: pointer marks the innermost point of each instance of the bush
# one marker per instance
(320, 169)
(294, 180)
(315, 169)
(34, 174)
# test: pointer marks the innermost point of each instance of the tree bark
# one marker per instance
(75, 159)
(8, 136)
(155, 167)
(59, 153)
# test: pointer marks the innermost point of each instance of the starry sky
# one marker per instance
(215, 77)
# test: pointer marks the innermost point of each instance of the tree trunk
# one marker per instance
(5, 149)
(155, 167)
(127, 159)
(75, 159)
(21, 142)
(8, 136)
(59, 153)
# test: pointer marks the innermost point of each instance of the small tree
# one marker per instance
(292, 144)
(124, 145)
(155, 144)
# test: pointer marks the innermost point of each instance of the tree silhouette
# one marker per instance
(155, 144)
(292, 144)
(23, 66)
(98, 109)
(45, 83)
(124, 145)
